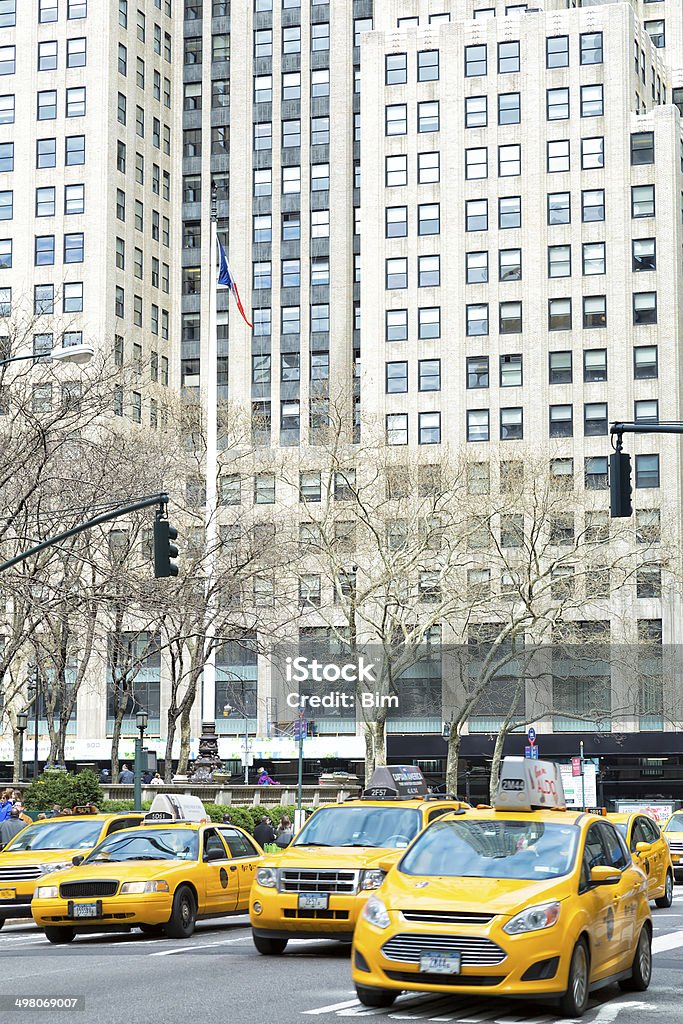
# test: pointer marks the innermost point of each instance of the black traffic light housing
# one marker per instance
(620, 490)
(164, 550)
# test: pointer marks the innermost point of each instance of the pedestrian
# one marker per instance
(264, 778)
(105, 775)
(156, 780)
(227, 820)
(19, 806)
(10, 826)
(264, 832)
(42, 816)
(6, 804)
(285, 832)
(56, 811)
(126, 776)
(147, 777)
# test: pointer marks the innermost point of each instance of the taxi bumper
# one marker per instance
(150, 908)
(283, 915)
(15, 898)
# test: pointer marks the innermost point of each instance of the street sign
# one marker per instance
(527, 751)
(534, 753)
(531, 735)
(576, 766)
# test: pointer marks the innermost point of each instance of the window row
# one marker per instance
(160, 226)
(262, 226)
(290, 319)
(396, 117)
(290, 368)
(593, 261)
(159, 272)
(428, 376)
(560, 317)
(590, 51)
(48, 10)
(396, 67)
(141, 77)
(558, 158)
(74, 103)
(157, 317)
(72, 298)
(290, 272)
(48, 54)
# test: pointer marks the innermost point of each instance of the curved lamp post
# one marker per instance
(22, 726)
(141, 720)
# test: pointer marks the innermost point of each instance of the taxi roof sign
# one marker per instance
(396, 782)
(176, 807)
(526, 785)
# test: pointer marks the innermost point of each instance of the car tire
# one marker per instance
(184, 914)
(575, 1000)
(151, 929)
(667, 899)
(375, 996)
(60, 936)
(2, 922)
(641, 969)
(269, 947)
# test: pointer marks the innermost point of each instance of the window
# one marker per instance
(594, 365)
(7, 60)
(511, 371)
(476, 163)
(428, 116)
(646, 411)
(644, 255)
(73, 248)
(396, 119)
(76, 9)
(595, 473)
(642, 201)
(559, 208)
(290, 320)
(590, 48)
(47, 105)
(647, 470)
(5, 254)
(291, 134)
(291, 39)
(592, 104)
(509, 161)
(396, 377)
(264, 489)
(263, 135)
(475, 61)
(559, 314)
(47, 55)
(649, 581)
(395, 69)
(45, 201)
(559, 260)
(645, 308)
(477, 320)
(429, 323)
(508, 57)
(429, 428)
(428, 271)
(592, 205)
(557, 104)
(7, 109)
(475, 112)
(655, 30)
(645, 362)
(509, 212)
(8, 13)
(594, 311)
(476, 215)
(560, 368)
(509, 109)
(397, 429)
(477, 372)
(595, 419)
(643, 148)
(396, 171)
(429, 375)
(558, 156)
(593, 256)
(648, 526)
(291, 86)
(397, 272)
(47, 11)
(396, 325)
(427, 168)
(44, 250)
(510, 318)
(592, 153)
(320, 177)
(557, 52)
(561, 421)
(76, 53)
(74, 199)
(320, 37)
(476, 267)
(320, 83)
(396, 222)
(428, 219)
(75, 102)
(427, 65)
(73, 297)
(477, 425)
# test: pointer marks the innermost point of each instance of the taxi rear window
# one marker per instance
(60, 835)
(493, 849)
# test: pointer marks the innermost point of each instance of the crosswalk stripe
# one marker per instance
(662, 943)
(332, 1008)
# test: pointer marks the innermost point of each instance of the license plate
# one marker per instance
(313, 901)
(7, 894)
(440, 963)
(85, 910)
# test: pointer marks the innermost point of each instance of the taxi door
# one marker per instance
(646, 861)
(659, 856)
(221, 884)
(596, 903)
(245, 860)
(625, 894)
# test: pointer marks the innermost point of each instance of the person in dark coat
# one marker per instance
(126, 776)
(10, 827)
(147, 777)
(264, 831)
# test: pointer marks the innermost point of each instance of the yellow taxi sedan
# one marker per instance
(523, 899)
(673, 833)
(50, 845)
(650, 852)
(161, 878)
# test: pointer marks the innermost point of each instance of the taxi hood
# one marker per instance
(20, 858)
(125, 871)
(471, 895)
(351, 857)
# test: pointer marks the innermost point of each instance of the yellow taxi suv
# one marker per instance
(317, 887)
(523, 899)
(673, 833)
(650, 852)
(49, 845)
(160, 878)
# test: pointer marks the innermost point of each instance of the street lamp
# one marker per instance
(79, 355)
(33, 695)
(22, 725)
(141, 720)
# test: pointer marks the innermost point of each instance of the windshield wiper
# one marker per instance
(373, 846)
(305, 843)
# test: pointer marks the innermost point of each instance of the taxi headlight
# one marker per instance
(533, 919)
(45, 892)
(45, 869)
(267, 877)
(371, 878)
(142, 887)
(376, 913)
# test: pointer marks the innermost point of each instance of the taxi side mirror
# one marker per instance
(78, 859)
(387, 863)
(643, 847)
(602, 874)
(214, 855)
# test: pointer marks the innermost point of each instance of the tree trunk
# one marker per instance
(452, 759)
(184, 757)
(115, 739)
(369, 752)
(380, 741)
(171, 719)
(497, 758)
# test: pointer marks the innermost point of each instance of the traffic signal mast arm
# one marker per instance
(621, 506)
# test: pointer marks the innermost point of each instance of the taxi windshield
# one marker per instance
(390, 828)
(150, 844)
(621, 827)
(493, 849)
(675, 824)
(58, 835)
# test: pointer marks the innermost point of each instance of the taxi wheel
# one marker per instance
(667, 899)
(60, 936)
(375, 996)
(641, 971)
(183, 916)
(575, 1000)
(269, 947)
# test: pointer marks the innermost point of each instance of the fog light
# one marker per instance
(257, 907)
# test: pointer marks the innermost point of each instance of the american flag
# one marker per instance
(225, 277)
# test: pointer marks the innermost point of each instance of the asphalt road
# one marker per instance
(218, 976)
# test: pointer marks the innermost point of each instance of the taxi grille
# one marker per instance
(446, 916)
(324, 880)
(72, 890)
(476, 950)
(676, 848)
(19, 873)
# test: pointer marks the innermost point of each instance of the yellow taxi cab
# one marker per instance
(49, 845)
(161, 877)
(672, 831)
(316, 888)
(650, 852)
(523, 899)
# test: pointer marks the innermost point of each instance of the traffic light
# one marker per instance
(164, 550)
(620, 489)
